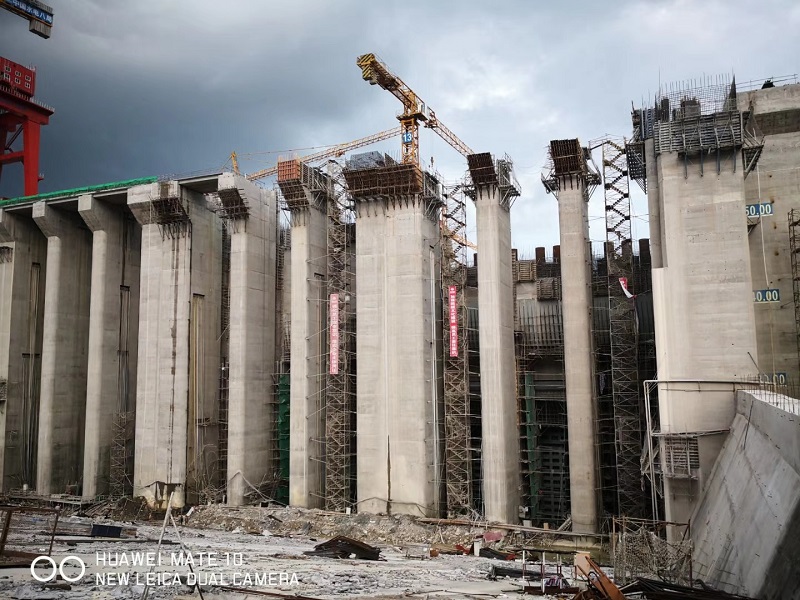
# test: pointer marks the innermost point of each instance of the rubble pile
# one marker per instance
(395, 530)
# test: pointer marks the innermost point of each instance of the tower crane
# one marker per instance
(337, 150)
(415, 110)
(38, 14)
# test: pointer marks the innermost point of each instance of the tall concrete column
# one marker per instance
(308, 350)
(113, 337)
(23, 260)
(397, 267)
(178, 363)
(704, 314)
(500, 443)
(569, 181)
(251, 334)
(372, 429)
(64, 350)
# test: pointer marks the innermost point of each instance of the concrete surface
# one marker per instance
(178, 363)
(500, 444)
(22, 288)
(396, 278)
(65, 345)
(776, 181)
(576, 294)
(113, 333)
(703, 308)
(252, 339)
(308, 355)
(746, 528)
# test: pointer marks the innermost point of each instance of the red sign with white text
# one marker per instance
(453, 311)
(334, 334)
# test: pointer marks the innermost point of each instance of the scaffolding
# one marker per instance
(651, 549)
(457, 413)
(699, 121)
(168, 211)
(622, 330)
(224, 354)
(794, 251)
(123, 422)
(539, 341)
(340, 388)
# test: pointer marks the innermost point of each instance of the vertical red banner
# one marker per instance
(333, 320)
(453, 311)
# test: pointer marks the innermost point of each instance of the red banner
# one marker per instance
(333, 319)
(453, 312)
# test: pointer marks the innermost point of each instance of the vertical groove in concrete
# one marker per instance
(578, 358)
(252, 345)
(112, 367)
(22, 275)
(501, 458)
(308, 363)
(64, 351)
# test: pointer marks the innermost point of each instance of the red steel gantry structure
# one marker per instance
(21, 115)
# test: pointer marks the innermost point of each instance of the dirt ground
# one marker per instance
(262, 550)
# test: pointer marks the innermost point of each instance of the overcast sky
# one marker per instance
(150, 88)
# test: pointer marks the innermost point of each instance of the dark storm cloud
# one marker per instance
(146, 88)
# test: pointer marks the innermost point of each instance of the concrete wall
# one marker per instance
(500, 444)
(776, 181)
(578, 358)
(252, 340)
(65, 346)
(308, 356)
(746, 528)
(178, 376)
(703, 305)
(113, 333)
(22, 289)
(396, 277)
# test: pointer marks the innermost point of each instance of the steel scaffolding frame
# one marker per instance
(622, 326)
(457, 426)
(794, 251)
(340, 388)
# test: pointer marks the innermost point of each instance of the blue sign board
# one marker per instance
(407, 137)
(768, 295)
(762, 209)
(32, 11)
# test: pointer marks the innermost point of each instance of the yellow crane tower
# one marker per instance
(415, 111)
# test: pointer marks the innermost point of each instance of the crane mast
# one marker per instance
(374, 71)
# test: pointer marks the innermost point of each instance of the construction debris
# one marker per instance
(660, 590)
(345, 547)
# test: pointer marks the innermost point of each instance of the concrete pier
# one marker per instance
(113, 325)
(178, 363)
(23, 261)
(65, 347)
(309, 227)
(397, 270)
(251, 334)
(569, 180)
(501, 456)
